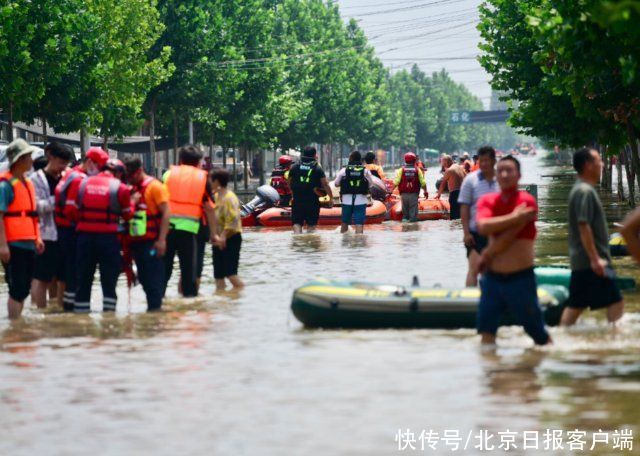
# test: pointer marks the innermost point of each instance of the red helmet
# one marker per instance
(410, 157)
(285, 160)
(115, 166)
(98, 156)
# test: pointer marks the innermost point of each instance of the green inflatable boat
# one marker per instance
(560, 275)
(325, 304)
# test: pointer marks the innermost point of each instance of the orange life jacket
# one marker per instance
(21, 216)
(99, 208)
(187, 187)
(153, 216)
(62, 193)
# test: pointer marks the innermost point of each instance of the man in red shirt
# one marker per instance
(509, 283)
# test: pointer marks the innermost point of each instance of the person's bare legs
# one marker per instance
(15, 308)
(344, 228)
(236, 282)
(52, 290)
(220, 285)
(472, 273)
(615, 312)
(297, 229)
(359, 229)
(487, 339)
(60, 289)
(39, 293)
(310, 228)
(570, 315)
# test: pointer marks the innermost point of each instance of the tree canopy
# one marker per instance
(251, 73)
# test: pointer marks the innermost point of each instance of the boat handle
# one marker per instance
(401, 291)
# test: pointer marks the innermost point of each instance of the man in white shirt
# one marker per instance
(475, 185)
(354, 182)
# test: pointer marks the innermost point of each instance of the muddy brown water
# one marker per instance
(237, 374)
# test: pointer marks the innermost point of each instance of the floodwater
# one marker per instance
(237, 374)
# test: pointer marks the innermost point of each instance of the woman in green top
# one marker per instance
(227, 232)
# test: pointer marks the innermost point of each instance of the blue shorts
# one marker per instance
(515, 294)
(357, 213)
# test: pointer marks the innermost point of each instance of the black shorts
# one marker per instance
(586, 289)
(480, 243)
(304, 211)
(226, 262)
(50, 264)
(19, 272)
(454, 212)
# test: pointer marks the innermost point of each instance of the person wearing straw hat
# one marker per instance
(19, 228)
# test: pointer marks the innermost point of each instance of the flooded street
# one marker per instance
(237, 374)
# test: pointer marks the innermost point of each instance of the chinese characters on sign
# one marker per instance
(482, 440)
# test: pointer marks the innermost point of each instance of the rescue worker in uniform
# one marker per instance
(65, 200)
(409, 180)
(308, 182)
(19, 227)
(189, 198)
(354, 182)
(101, 203)
(148, 230)
(279, 179)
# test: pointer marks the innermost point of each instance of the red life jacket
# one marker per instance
(21, 217)
(62, 193)
(153, 217)
(99, 209)
(279, 182)
(410, 181)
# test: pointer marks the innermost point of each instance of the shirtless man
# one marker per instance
(509, 283)
(453, 176)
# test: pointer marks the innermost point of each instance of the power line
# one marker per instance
(429, 59)
(408, 8)
(373, 5)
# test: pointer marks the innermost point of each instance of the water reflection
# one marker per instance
(306, 243)
(354, 241)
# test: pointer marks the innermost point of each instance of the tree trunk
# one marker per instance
(44, 130)
(152, 137)
(630, 177)
(635, 157)
(10, 122)
(604, 179)
(191, 138)
(175, 137)
(261, 156)
(235, 170)
(225, 151)
(245, 166)
(105, 143)
(211, 141)
(83, 141)
(620, 182)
